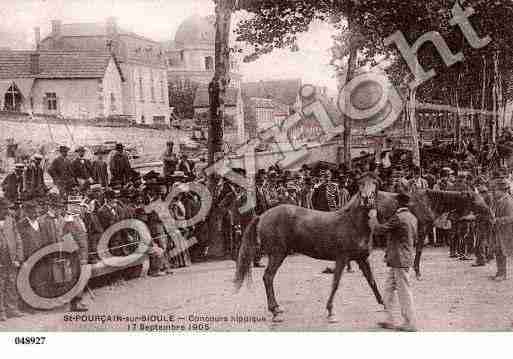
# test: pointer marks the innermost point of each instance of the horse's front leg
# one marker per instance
(418, 251)
(340, 264)
(367, 272)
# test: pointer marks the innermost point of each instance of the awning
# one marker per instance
(25, 86)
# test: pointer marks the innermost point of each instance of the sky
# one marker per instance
(159, 19)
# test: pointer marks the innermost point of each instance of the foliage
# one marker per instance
(181, 97)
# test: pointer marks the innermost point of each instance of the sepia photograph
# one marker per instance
(198, 166)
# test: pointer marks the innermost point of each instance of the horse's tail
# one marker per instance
(247, 253)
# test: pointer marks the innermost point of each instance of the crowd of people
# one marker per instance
(91, 195)
(87, 197)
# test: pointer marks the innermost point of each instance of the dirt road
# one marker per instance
(453, 296)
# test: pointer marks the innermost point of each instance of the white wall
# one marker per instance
(77, 98)
(112, 85)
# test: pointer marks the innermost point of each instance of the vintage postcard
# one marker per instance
(249, 165)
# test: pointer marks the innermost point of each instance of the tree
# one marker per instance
(365, 24)
(217, 95)
(360, 23)
(181, 97)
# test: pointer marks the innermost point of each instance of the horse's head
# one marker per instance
(368, 184)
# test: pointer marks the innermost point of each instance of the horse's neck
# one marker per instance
(352, 213)
(446, 201)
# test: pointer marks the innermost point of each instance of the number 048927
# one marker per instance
(29, 340)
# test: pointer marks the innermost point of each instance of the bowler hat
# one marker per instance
(119, 146)
(63, 148)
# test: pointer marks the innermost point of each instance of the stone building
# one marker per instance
(73, 84)
(190, 64)
(142, 62)
(190, 56)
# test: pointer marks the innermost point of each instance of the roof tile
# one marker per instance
(55, 64)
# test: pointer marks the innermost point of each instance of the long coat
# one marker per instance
(401, 229)
(61, 172)
(34, 180)
(120, 168)
(100, 172)
(82, 168)
(503, 231)
(32, 240)
(11, 241)
(13, 187)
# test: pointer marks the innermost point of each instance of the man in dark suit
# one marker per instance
(401, 230)
(170, 160)
(34, 178)
(11, 257)
(82, 169)
(100, 172)
(61, 172)
(120, 168)
(13, 185)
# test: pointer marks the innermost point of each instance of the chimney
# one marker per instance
(34, 63)
(56, 28)
(111, 27)
(37, 37)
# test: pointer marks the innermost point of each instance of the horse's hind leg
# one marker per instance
(367, 272)
(418, 252)
(340, 264)
(274, 262)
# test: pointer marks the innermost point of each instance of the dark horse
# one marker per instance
(427, 205)
(338, 236)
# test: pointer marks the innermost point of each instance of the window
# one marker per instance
(51, 101)
(181, 56)
(141, 93)
(209, 63)
(142, 120)
(152, 88)
(162, 88)
(112, 102)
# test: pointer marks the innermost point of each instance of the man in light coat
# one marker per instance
(502, 208)
(11, 257)
(401, 229)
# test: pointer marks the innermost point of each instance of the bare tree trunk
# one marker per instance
(351, 67)
(217, 95)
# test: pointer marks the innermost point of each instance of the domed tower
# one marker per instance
(191, 54)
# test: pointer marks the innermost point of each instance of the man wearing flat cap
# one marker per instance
(82, 169)
(13, 184)
(120, 168)
(11, 257)
(401, 231)
(502, 208)
(61, 172)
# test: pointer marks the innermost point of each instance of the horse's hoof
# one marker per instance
(332, 318)
(418, 276)
(277, 318)
(278, 310)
